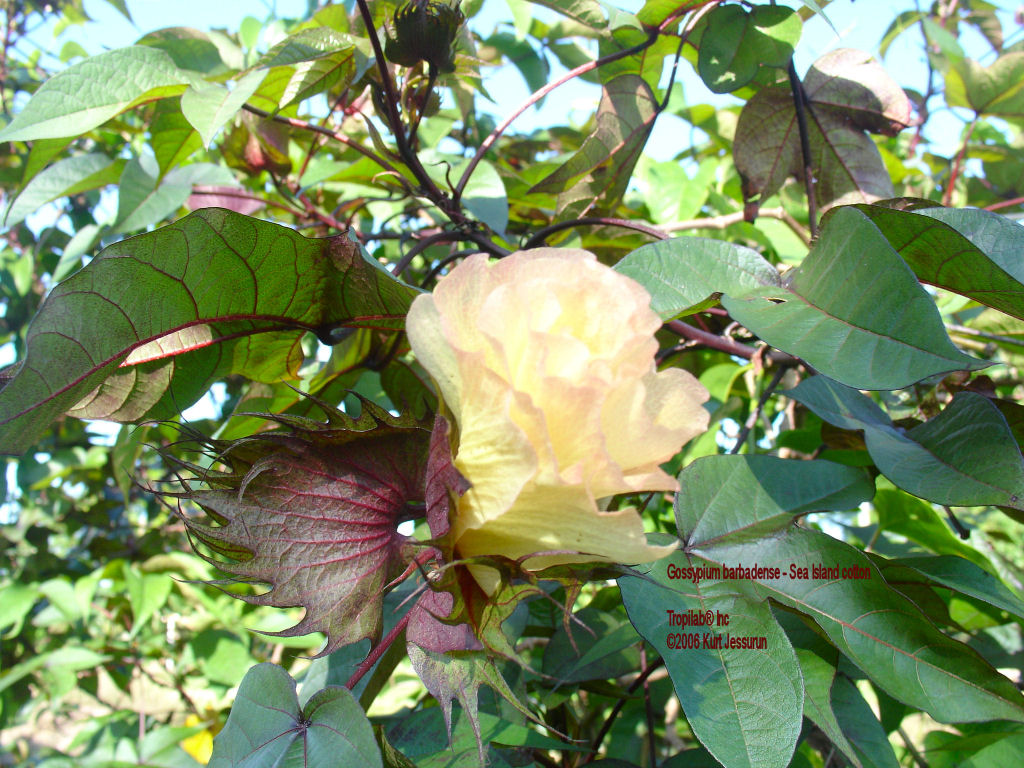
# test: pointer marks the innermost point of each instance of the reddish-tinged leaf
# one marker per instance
(212, 277)
(314, 512)
(849, 94)
(449, 660)
(443, 481)
(214, 196)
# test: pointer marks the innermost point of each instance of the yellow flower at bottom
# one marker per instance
(546, 361)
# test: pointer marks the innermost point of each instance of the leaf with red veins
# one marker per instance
(314, 514)
(849, 94)
(444, 483)
(213, 279)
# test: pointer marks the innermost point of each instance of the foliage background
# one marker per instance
(115, 652)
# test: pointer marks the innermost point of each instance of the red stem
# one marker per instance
(377, 651)
(947, 196)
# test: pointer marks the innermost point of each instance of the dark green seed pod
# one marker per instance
(424, 30)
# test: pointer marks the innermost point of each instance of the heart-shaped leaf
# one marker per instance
(267, 727)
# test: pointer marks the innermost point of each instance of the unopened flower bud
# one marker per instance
(424, 30)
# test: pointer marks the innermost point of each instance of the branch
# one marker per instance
(947, 196)
(446, 237)
(802, 104)
(724, 344)
(755, 414)
(538, 237)
(449, 206)
(377, 651)
(540, 94)
(728, 219)
(1004, 204)
(619, 704)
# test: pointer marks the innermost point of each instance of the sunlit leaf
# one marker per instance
(876, 627)
(91, 92)
(688, 273)
(854, 311)
(968, 251)
(220, 276)
(603, 165)
(736, 43)
(997, 89)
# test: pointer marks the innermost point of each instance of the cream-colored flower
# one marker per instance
(546, 361)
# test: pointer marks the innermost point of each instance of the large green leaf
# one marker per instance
(917, 520)
(849, 94)
(687, 273)
(965, 456)
(965, 577)
(736, 43)
(267, 727)
(876, 627)
(307, 63)
(218, 275)
(854, 311)
(146, 198)
(91, 92)
(744, 704)
(969, 251)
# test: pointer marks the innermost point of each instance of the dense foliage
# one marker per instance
(245, 217)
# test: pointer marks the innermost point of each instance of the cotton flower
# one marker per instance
(546, 361)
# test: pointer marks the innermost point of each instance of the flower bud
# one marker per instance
(424, 30)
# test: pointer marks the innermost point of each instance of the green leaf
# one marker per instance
(209, 106)
(219, 276)
(172, 137)
(819, 675)
(91, 92)
(849, 94)
(965, 577)
(588, 12)
(266, 726)
(736, 43)
(190, 49)
(917, 520)
(686, 274)
(744, 704)
(484, 195)
(147, 594)
(966, 456)
(144, 198)
(864, 733)
(881, 631)
(419, 734)
(602, 648)
(969, 251)
(307, 63)
(603, 165)
(65, 177)
(854, 311)
(994, 90)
